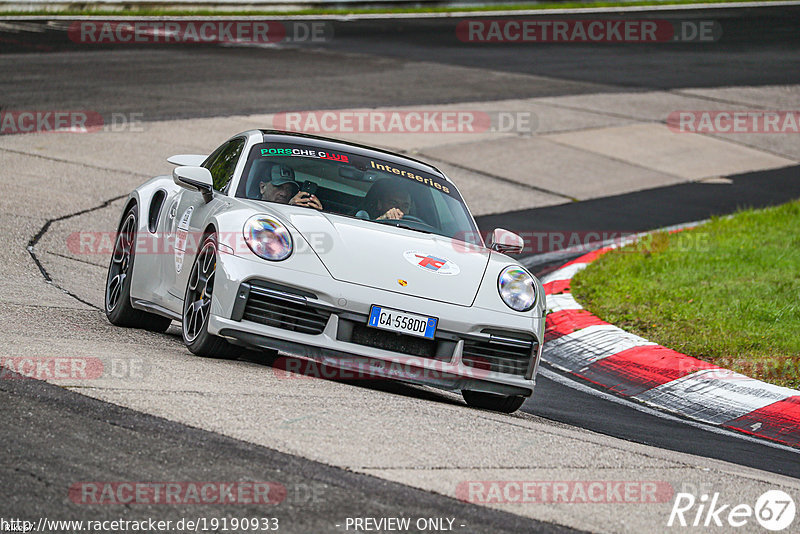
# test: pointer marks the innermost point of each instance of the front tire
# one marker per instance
(197, 305)
(117, 305)
(495, 403)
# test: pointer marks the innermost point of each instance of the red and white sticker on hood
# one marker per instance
(429, 262)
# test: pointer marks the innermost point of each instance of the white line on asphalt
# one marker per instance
(451, 14)
(568, 382)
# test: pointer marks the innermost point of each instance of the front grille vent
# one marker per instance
(283, 311)
(499, 355)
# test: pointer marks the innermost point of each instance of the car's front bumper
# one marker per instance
(345, 305)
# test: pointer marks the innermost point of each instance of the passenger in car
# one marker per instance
(387, 200)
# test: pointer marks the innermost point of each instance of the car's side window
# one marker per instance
(222, 162)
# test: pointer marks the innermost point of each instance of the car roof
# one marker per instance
(278, 136)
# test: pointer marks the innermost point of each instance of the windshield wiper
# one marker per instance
(400, 225)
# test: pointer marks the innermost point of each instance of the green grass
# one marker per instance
(349, 11)
(727, 292)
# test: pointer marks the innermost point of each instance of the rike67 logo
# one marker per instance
(774, 510)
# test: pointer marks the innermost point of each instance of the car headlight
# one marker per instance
(267, 238)
(517, 288)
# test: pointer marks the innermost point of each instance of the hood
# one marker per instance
(390, 258)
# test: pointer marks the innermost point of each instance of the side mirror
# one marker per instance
(194, 179)
(506, 242)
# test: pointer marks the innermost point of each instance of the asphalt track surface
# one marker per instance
(56, 428)
(366, 64)
(70, 437)
(660, 207)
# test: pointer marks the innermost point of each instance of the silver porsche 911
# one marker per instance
(348, 256)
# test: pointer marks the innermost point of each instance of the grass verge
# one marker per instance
(727, 292)
(100, 12)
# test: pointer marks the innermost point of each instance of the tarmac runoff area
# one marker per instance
(583, 147)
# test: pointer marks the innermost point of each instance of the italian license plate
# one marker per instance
(402, 322)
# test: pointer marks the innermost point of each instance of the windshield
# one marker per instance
(356, 186)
